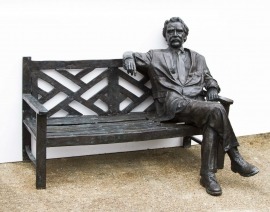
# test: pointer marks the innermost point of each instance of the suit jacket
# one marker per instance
(169, 93)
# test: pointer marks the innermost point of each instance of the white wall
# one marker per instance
(232, 35)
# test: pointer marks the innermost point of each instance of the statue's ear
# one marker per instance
(165, 38)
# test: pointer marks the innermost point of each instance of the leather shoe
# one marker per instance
(239, 165)
(211, 185)
(245, 169)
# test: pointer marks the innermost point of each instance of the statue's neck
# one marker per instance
(177, 49)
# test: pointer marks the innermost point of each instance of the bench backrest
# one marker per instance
(99, 87)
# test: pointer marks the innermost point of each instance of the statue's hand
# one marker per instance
(130, 66)
(212, 94)
(129, 63)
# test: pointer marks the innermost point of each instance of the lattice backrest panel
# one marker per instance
(99, 87)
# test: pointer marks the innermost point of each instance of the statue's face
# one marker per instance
(175, 35)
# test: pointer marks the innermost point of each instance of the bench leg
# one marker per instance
(40, 167)
(26, 135)
(26, 141)
(41, 152)
(186, 142)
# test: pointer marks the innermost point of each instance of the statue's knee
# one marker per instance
(218, 108)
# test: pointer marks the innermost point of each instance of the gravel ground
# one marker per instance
(151, 180)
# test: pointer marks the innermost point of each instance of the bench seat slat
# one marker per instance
(104, 132)
(113, 131)
(97, 119)
(102, 126)
(90, 138)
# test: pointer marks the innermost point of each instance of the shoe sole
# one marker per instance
(248, 174)
(213, 193)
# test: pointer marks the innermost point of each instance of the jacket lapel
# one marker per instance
(192, 66)
(167, 56)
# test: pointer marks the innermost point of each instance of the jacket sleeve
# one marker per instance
(142, 60)
(209, 81)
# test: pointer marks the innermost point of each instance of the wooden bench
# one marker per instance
(114, 106)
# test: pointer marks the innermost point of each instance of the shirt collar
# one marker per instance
(180, 51)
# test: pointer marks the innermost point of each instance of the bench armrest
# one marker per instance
(34, 104)
(224, 100)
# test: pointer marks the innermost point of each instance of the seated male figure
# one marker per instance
(179, 78)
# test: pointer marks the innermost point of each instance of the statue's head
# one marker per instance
(175, 32)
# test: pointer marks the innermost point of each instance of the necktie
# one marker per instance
(181, 68)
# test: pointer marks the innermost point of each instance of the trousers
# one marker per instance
(213, 119)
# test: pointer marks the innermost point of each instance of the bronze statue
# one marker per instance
(179, 78)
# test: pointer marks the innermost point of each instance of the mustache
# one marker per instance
(175, 38)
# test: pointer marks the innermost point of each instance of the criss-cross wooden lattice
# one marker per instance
(112, 94)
